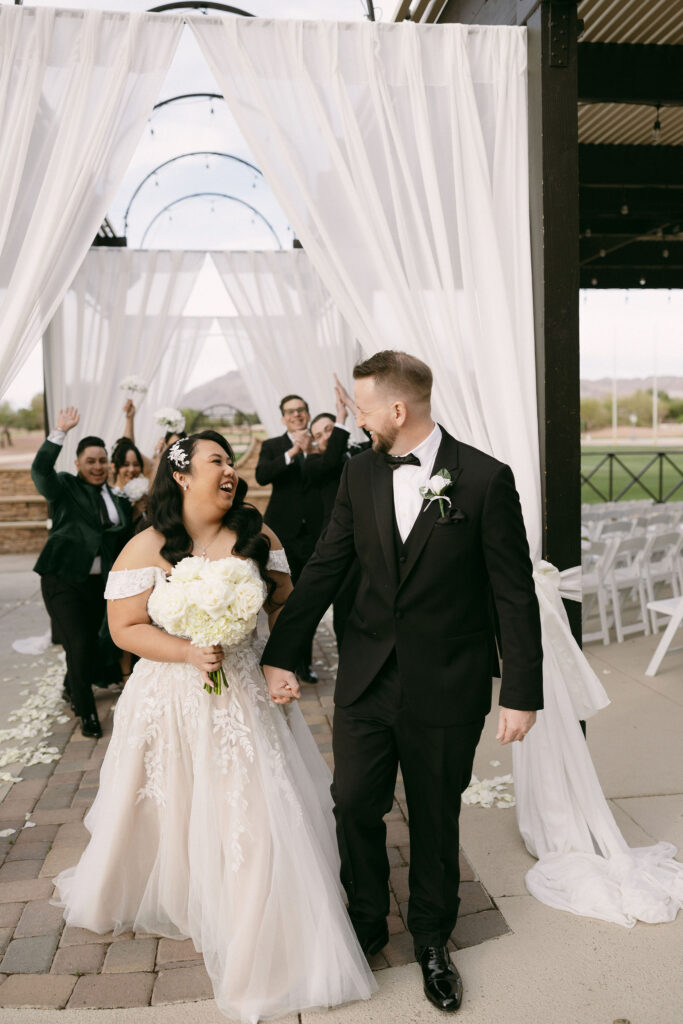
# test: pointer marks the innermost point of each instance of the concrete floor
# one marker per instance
(553, 968)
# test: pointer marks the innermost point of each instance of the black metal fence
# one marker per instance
(630, 475)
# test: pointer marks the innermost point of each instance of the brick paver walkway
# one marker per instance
(45, 964)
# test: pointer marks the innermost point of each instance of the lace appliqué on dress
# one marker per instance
(277, 561)
(129, 582)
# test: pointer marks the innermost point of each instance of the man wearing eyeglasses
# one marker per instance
(295, 510)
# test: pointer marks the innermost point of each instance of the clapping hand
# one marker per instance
(343, 395)
(342, 411)
(302, 439)
(67, 419)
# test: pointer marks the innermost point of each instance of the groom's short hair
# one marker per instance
(398, 372)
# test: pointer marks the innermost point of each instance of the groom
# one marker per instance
(414, 681)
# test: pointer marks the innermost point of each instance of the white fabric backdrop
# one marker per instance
(76, 89)
(117, 318)
(399, 153)
(288, 335)
(169, 383)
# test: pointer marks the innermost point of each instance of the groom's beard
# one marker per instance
(384, 442)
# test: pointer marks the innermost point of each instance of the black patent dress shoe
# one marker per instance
(307, 675)
(442, 983)
(372, 940)
(90, 726)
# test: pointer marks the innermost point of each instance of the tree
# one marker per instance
(595, 414)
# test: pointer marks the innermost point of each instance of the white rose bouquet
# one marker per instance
(170, 419)
(133, 385)
(210, 603)
(136, 489)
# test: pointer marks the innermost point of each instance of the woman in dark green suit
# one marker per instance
(90, 525)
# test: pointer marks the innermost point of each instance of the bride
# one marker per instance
(213, 819)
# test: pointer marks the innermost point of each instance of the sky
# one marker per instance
(645, 327)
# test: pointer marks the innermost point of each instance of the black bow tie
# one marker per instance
(394, 461)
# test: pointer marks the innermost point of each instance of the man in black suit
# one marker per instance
(90, 525)
(414, 681)
(294, 511)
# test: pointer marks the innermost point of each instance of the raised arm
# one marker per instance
(43, 473)
(323, 466)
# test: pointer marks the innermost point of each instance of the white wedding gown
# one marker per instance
(213, 821)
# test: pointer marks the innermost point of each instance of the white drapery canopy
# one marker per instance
(76, 90)
(399, 153)
(169, 383)
(288, 335)
(117, 319)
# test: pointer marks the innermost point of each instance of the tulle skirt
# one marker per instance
(214, 821)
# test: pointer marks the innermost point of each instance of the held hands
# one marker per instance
(206, 659)
(282, 685)
(67, 419)
(514, 725)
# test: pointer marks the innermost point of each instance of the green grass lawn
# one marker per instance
(634, 460)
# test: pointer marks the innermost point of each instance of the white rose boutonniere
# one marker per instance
(436, 488)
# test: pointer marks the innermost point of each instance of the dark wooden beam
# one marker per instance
(625, 202)
(636, 253)
(627, 277)
(644, 166)
(631, 73)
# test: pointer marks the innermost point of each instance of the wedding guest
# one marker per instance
(90, 526)
(294, 511)
(127, 463)
(322, 470)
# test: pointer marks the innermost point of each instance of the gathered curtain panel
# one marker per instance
(399, 154)
(118, 319)
(288, 335)
(169, 383)
(76, 90)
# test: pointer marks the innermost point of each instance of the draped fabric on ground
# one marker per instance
(76, 89)
(288, 335)
(117, 319)
(399, 153)
(170, 381)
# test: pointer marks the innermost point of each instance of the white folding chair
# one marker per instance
(626, 575)
(661, 564)
(596, 562)
(672, 607)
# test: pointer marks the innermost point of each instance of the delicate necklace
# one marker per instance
(206, 547)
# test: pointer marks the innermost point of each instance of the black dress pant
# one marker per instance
(77, 610)
(371, 738)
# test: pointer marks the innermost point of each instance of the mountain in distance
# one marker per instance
(226, 390)
(627, 386)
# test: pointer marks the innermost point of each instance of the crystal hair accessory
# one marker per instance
(178, 456)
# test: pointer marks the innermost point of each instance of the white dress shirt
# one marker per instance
(408, 480)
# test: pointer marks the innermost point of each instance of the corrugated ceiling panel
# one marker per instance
(628, 124)
(632, 21)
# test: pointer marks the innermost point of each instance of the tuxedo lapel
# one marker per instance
(447, 457)
(383, 498)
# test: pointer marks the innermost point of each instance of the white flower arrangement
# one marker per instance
(436, 486)
(136, 489)
(134, 385)
(210, 603)
(170, 419)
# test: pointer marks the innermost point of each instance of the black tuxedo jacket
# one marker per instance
(77, 535)
(431, 598)
(322, 470)
(293, 508)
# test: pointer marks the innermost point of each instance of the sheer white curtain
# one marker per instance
(169, 383)
(399, 153)
(117, 319)
(76, 89)
(288, 336)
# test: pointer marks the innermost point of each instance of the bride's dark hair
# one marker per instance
(165, 508)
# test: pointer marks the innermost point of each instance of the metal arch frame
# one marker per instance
(189, 96)
(173, 159)
(200, 5)
(218, 195)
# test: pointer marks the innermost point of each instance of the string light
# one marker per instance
(657, 128)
